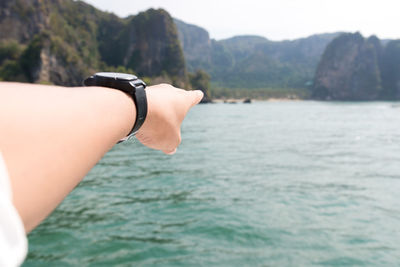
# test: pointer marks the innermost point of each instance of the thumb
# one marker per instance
(195, 97)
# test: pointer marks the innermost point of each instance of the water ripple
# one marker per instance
(267, 184)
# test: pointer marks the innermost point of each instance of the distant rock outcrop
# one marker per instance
(349, 69)
(355, 68)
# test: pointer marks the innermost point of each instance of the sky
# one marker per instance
(273, 19)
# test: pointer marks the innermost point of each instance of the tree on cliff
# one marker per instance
(200, 80)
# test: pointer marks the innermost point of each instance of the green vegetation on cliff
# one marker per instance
(10, 68)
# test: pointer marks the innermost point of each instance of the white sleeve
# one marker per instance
(13, 242)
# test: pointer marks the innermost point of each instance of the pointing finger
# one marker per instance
(195, 97)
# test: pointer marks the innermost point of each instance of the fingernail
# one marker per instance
(200, 93)
(171, 153)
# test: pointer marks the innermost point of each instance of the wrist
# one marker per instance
(117, 108)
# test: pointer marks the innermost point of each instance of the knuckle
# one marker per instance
(165, 85)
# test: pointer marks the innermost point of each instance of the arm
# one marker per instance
(52, 136)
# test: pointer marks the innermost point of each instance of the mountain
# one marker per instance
(63, 41)
(252, 62)
(263, 63)
(355, 68)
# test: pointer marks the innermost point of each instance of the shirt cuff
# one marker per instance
(13, 241)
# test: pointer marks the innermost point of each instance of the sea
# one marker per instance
(286, 183)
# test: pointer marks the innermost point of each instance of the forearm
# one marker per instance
(52, 136)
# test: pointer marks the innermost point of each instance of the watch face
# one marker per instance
(116, 76)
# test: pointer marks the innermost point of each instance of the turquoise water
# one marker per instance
(266, 184)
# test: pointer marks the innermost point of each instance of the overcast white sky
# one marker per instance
(274, 19)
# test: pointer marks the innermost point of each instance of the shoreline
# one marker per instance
(241, 100)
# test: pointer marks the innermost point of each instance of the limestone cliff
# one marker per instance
(62, 41)
(22, 19)
(390, 70)
(154, 46)
(197, 45)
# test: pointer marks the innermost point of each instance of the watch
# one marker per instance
(129, 84)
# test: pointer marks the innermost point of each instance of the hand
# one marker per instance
(167, 107)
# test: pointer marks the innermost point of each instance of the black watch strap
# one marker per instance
(141, 106)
